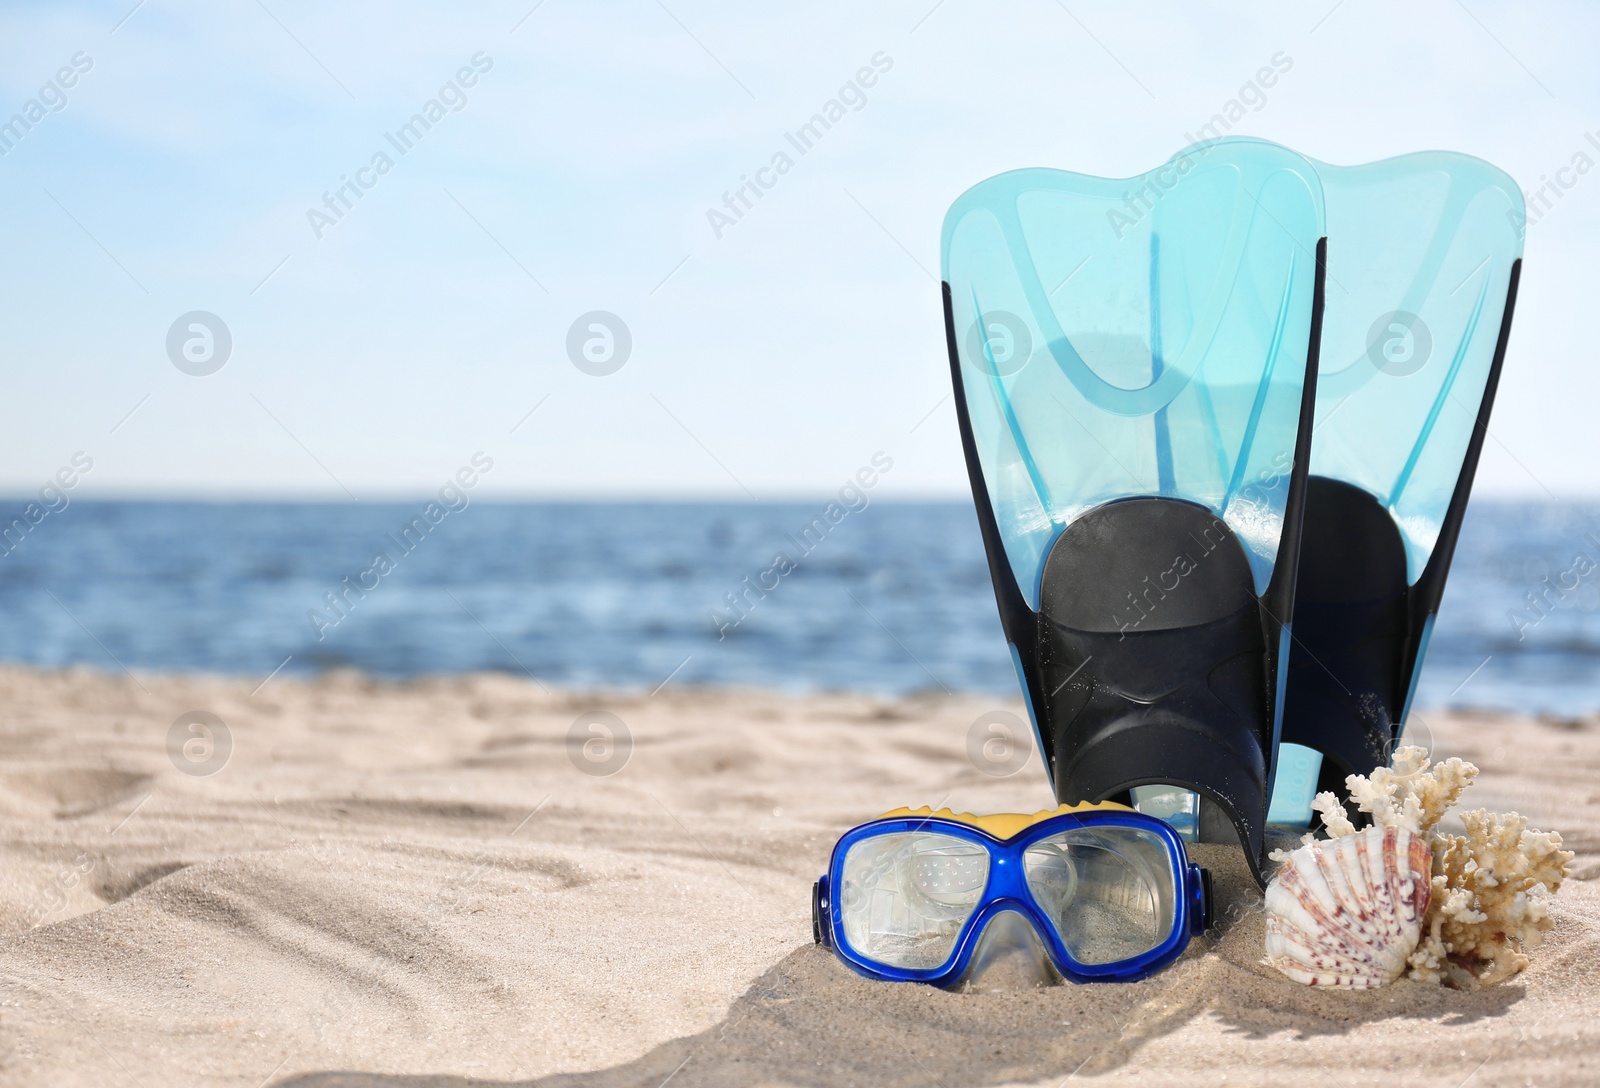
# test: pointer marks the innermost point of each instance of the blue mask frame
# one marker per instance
(1006, 889)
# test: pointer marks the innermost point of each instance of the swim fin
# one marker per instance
(1423, 263)
(1134, 364)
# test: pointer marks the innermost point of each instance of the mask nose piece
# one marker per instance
(1009, 957)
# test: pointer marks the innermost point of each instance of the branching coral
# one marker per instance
(1490, 886)
(1407, 794)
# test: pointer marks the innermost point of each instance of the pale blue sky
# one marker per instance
(772, 361)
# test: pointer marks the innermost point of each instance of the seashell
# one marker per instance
(1347, 912)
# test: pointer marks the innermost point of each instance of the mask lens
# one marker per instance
(1110, 892)
(905, 896)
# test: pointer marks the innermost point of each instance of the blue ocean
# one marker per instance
(890, 598)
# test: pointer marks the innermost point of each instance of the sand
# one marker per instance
(409, 884)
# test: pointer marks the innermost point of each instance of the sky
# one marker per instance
(376, 341)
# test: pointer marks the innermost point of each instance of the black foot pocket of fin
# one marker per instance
(1152, 657)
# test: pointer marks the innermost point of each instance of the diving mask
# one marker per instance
(1087, 893)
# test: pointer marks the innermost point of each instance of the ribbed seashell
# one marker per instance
(1347, 912)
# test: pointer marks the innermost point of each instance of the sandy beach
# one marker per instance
(414, 884)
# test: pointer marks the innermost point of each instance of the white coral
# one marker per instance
(1491, 886)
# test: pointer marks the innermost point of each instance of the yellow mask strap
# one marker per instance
(1003, 825)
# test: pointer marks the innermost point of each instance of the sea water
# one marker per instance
(889, 598)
